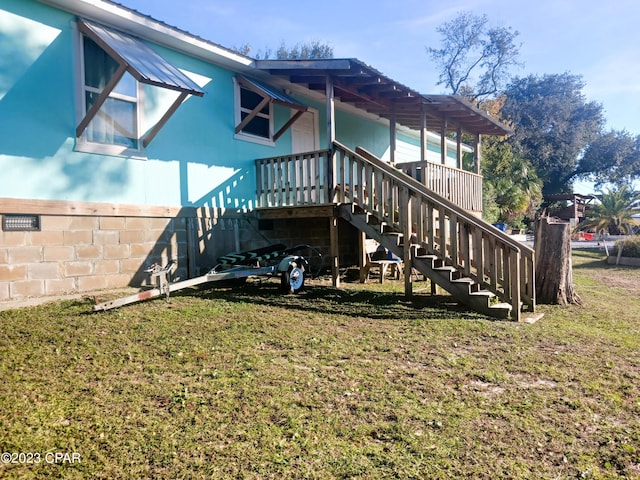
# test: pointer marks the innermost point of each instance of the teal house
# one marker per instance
(126, 142)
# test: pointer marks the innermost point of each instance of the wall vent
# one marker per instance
(20, 223)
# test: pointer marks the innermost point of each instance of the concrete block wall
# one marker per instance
(314, 232)
(75, 253)
(72, 254)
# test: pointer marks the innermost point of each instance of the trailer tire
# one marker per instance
(293, 279)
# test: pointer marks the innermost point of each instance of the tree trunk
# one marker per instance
(554, 277)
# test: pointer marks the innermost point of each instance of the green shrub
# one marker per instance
(630, 247)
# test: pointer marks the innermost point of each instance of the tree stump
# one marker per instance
(554, 277)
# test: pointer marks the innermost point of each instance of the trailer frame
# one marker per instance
(292, 269)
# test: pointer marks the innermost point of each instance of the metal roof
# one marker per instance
(365, 88)
(144, 63)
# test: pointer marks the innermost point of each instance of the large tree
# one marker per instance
(612, 157)
(474, 58)
(517, 190)
(553, 124)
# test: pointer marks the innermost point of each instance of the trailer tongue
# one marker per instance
(268, 261)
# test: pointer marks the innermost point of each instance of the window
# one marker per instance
(115, 66)
(254, 110)
(116, 123)
(260, 125)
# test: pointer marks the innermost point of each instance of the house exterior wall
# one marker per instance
(190, 162)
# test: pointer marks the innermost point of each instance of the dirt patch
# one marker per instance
(618, 278)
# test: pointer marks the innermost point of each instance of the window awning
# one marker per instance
(144, 64)
(272, 95)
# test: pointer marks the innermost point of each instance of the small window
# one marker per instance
(260, 124)
(260, 127)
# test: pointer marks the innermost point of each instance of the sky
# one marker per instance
(598, 40)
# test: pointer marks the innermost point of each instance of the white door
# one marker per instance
(304, 133)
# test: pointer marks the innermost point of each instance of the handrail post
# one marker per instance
(514, 279)
(331, 169)
(405, 222)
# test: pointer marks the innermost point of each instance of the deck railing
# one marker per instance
(292, 180)
(459, 238)
(456, 185)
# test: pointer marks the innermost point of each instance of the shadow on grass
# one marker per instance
(346, 302)
(589, 258)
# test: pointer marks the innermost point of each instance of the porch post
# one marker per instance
(443, 142)
(335, 258)
(423, 138)
(407, 233)
(459, 148)
(331, 138)
(392, 135)
(478, 152)
(331, 112)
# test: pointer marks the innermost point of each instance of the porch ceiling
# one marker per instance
(362, 86)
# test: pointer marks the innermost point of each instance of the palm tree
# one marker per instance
(614, 212)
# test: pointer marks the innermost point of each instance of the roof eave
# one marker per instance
(145, 27)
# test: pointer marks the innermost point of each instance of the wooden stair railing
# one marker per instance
(475, 249)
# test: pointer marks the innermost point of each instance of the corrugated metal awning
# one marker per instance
(273, 95)
(276, 95)
(144, 64)
(141, 61)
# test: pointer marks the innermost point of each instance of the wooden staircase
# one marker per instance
(476, 263)
(463, 288)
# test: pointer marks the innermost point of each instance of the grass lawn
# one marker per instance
(328, 384)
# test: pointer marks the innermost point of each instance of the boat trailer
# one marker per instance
(268, 261)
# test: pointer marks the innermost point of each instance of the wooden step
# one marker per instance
(463, 288)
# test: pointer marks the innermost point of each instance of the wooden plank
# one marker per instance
(317, 181)
(106, 91)
(514, 274)
(362, 255)
(165, 118)
(335, 251)
(260, 184)
(443, 233)
(309, 184)
(272, 183)
(298, 191)
(431, 227)
(65, 207)
(465, 252)
(290, 122)
(342, 192)
(301, 211)
(453, 239)
(478, 257)
(405, 221)
(252, 115)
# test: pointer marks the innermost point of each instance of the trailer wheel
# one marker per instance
(293, 279)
